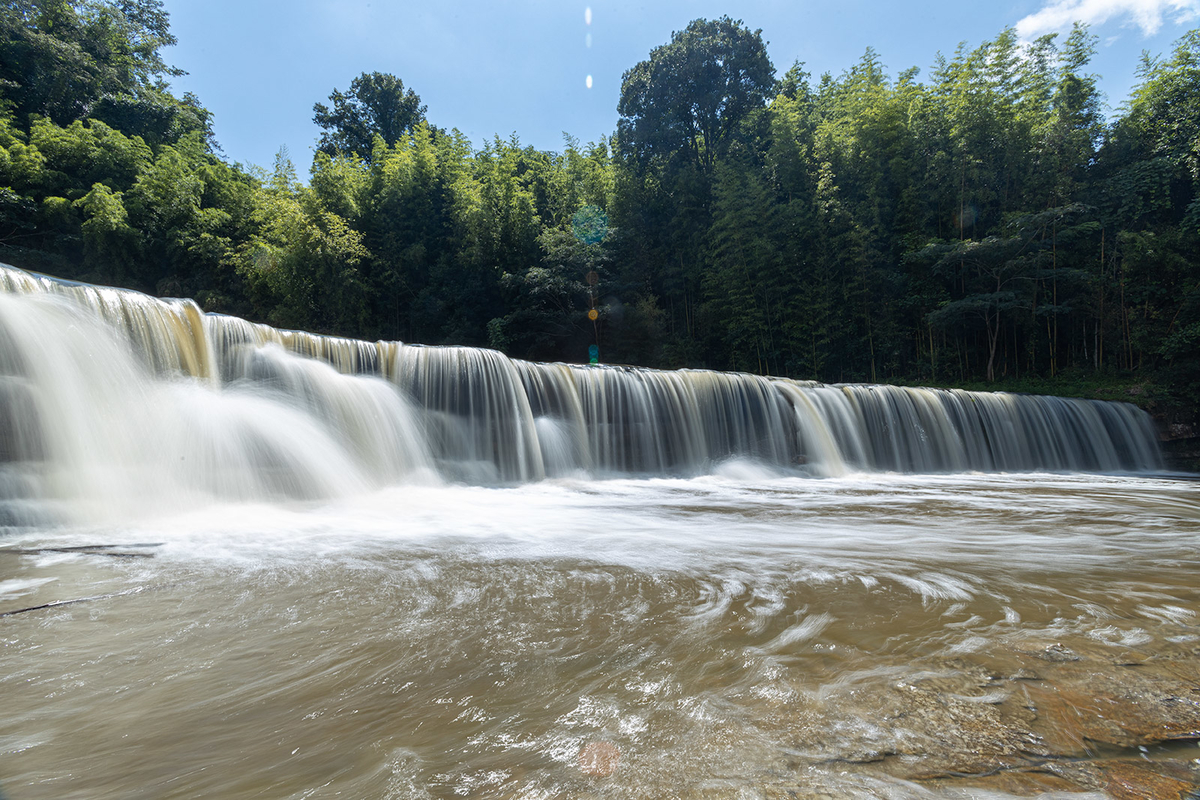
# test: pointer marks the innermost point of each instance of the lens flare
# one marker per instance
(587, 16)
(599, 759)
(589, 81)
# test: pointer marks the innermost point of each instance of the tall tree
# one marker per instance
(60, 58)
(691, 95)
(376, 105)
(681, 110)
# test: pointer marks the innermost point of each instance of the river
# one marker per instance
(235, 587)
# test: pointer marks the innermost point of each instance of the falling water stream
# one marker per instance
(311, 567)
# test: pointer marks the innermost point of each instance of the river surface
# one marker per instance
(746, 634)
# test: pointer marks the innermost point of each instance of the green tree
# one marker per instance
(1148, 185)
(549, 301)
(690, 97)
(742, 275)
(60, 58)
(411, 221)
(377, 104)
(111, 247)
(303, 266)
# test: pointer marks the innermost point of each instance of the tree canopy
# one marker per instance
(983, 223)
(376, 105)
(690, 96)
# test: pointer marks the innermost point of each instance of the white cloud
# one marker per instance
(1148, 15)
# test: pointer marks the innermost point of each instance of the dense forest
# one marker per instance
(987, 222)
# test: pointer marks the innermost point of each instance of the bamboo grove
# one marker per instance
(983, 222)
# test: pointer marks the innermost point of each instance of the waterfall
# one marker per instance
(111, 400)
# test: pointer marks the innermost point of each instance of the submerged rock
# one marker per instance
(1132, 780)
(1078, 722)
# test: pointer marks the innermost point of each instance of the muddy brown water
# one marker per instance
(737, 636)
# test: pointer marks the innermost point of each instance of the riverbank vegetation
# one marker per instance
(982, 223)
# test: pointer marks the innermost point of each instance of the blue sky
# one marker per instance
(523, 67)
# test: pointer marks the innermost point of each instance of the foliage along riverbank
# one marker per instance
(985, 225)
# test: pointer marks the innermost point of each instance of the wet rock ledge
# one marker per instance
(1050, 718)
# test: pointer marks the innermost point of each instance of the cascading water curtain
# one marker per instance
(108, 397)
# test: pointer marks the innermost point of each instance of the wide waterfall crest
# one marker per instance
(109, 396)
